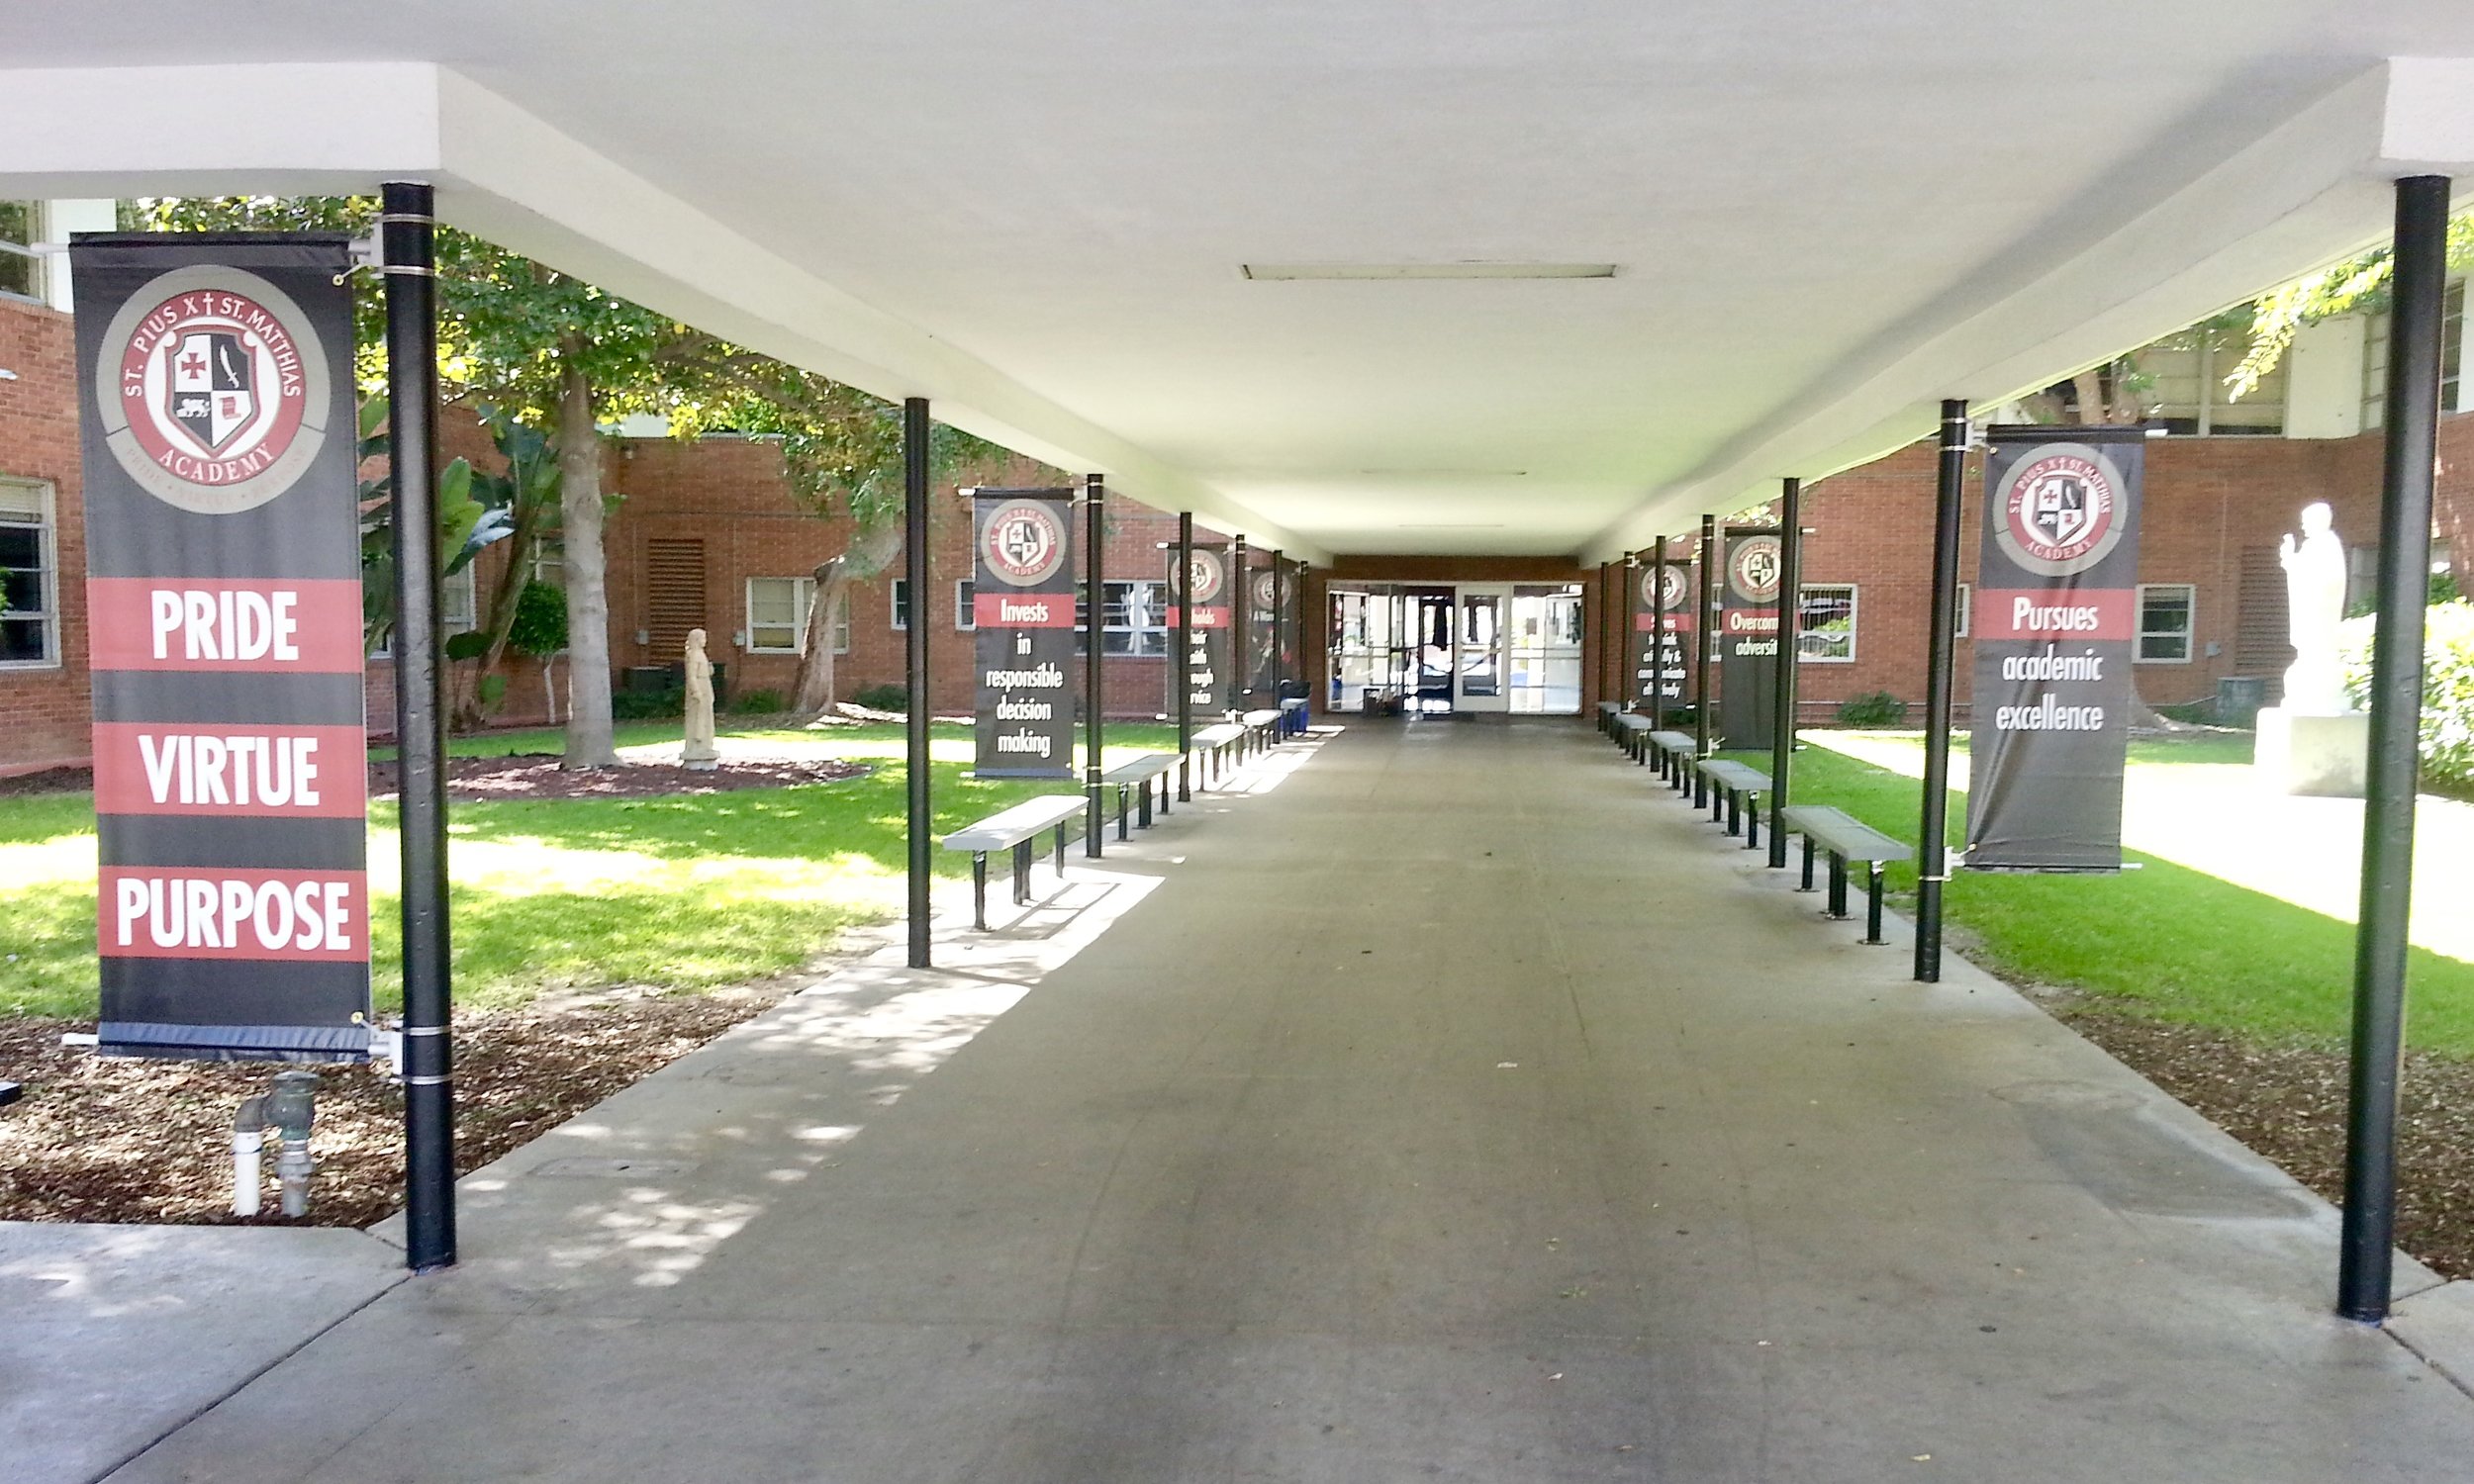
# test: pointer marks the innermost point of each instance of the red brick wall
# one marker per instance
(45, 715)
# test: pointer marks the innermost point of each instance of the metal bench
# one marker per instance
(1213, 743)
(1013, 829)
(1262, 730)
(1846, 838)
(1607, 713)
(1632, 735)
(1736, 790)
(1674, 749)
(1141, 772)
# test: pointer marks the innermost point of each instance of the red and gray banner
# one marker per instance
(2056, 623)
(1748, 637)
(224, 598)
(1022, 599)
(1662, 658)
(1207, 668)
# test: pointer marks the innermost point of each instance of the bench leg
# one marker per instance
(1808, 865)
(1700, 788)
(1022, 874)
(1143, 819)
(1123, 808)
(1060, 846)
(1838, 887)
(1751, 821)
(1735, 812)
(1872, 904)
(1185, 781)
(979, 889)
(1163, 794)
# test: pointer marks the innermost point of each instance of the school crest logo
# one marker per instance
(1202, 573)
(1664, 588)
(2059, 512)
(1023, 542)
(212, 390)
(1753, 565)
(1265, 592)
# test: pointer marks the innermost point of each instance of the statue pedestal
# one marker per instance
(2324, 756)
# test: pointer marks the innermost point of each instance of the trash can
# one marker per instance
(2238, 699)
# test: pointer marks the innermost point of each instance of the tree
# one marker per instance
(556, 353)
(2357, 285)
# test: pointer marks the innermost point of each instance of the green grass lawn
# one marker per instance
(2165, 940)
(684, 891)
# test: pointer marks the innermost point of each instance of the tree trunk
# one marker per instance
(589, 741)
(813, 694)
(500, 620)
(871, 552)
(2093, 405)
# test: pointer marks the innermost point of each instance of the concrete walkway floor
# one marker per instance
(1458, 1108)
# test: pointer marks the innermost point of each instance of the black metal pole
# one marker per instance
(1241, 616)
(1184, 654)
(915, 494)
(405, 239)
(2416, 313)
(1941, 645)
(1094, 505)
(1790, 632)
(1704, 638)
(1657, 639)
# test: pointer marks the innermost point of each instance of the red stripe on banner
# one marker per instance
(1026, 611)
(1676, 623)
(1203, 617)
(243, 771)
(2055, 614)
(204, 913)
(310, 626)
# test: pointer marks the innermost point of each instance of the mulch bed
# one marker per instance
(2288, 1102)
(538, 775)
(129, 1139)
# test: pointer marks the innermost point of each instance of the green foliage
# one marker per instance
(465, 525)
(2358, 284)
(2447, 735)
(885, 697)
(759, 703)
(541, 626)
(1876, 709)
(643, 706)
(492, 690)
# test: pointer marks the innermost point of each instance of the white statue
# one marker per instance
(699, 753)
(2315, 605)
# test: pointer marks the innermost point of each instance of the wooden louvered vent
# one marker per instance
(2260, 645)
(674, 593)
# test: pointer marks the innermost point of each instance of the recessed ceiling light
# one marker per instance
(1392, 272)
(1451, 525)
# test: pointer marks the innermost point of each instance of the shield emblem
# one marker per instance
(211, 388)
(2057, 508)
(1025, 542)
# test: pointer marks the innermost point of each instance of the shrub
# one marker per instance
(2447, 744)
(885, 697)
(759, 703)
(540, 623)
(1874, 708)
(646, 705)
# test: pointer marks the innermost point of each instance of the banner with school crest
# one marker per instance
(2056, 624)
(1748, 637)
(1661, 652)
(1208, 668)
(223, 612)
(1022, 601)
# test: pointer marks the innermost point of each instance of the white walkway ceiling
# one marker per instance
(1822, 217)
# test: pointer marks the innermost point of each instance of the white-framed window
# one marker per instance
(901, 604)
(458, 601)
(30, 577)
(549, 561)
(1967, 609)
(1825, 624)
(2452, 347)
(2186, 388)
(966, 610)
(1134, 621)
(2165, 612)
(21, 272)
(777, 616)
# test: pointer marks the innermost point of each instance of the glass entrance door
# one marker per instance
(1481, 657)
(1545, 650)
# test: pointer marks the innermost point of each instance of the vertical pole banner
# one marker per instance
(1263, 640)
(1748, 656)
(1206, 648)
(2055, 617)
(224, 592)
(1022, 601)
(1660, 659)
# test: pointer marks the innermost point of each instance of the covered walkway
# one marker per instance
(1457, 1108)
